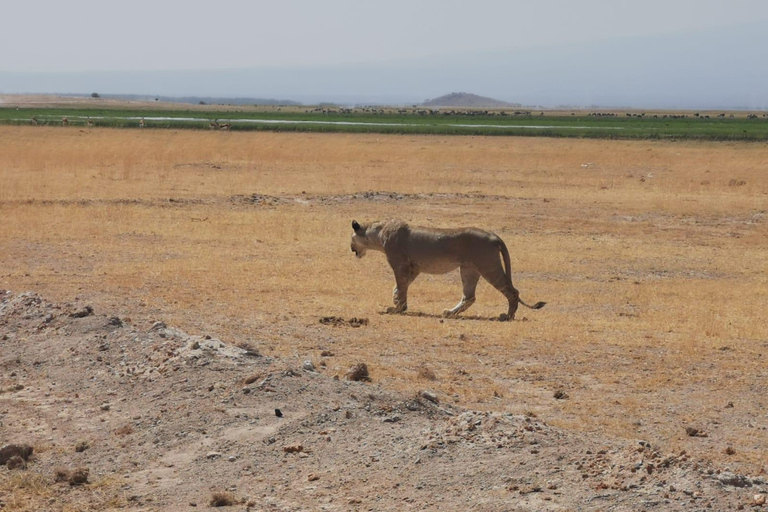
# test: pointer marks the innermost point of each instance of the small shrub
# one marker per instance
(61, 474)
(426, 373)
(124, 431)
(358, 372)
(222, 499)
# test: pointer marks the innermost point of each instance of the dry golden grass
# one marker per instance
(651, 255)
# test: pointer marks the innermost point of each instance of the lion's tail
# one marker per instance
(508, 271)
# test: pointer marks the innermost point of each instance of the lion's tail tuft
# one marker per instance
(538, 305)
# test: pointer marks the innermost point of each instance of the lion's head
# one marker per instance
(359, 241)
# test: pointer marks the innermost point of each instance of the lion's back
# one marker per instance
(436, 250)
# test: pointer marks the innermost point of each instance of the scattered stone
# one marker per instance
(105, 407)
(82, 313)
(82, 446)
(429, 395)
(312, 477)
(212, 455)
(293, 448)
(278, 413)
(250, 350)
(326, 353)
(561, 395)
(252, 379)
(695, 432)
(733, 479)
(758, 500)
(158, 325)
(115, 321)
(358, 372)
(308, 366)
(9, 451)
(195, 345)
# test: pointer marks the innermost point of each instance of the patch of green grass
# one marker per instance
(336, 120)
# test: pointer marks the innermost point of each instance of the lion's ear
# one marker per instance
(355, 226)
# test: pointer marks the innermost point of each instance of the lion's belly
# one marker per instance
(438, 267)
(436, 264)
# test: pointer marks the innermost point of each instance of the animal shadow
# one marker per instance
(471, 318)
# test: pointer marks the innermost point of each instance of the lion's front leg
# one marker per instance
(400, 301)
(404, 276)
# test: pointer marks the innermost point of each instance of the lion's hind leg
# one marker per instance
(469, 279)
(499, 280)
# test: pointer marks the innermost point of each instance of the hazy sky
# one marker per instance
(85, 35)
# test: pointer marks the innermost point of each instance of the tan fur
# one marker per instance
(412, 250)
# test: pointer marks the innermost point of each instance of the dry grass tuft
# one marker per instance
(358, 372)
(24, 490)
(61, 474)
(9, 451)
(222, 499)
(123, 431)
(425, 373)
(78, 476)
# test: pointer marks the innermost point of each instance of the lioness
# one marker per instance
(413, 250)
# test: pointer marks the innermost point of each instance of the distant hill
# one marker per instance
(465, 99)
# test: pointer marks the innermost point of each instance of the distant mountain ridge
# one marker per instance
(468, 100)
(711, 68)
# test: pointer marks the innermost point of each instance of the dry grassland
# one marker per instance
(652, 257)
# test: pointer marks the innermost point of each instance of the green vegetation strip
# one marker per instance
(619, 127)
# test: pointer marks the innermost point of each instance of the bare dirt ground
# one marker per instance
(640, 386)
(166, 421)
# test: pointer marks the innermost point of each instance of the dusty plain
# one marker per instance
(651, 256)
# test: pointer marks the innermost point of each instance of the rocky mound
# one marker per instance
(119, 413)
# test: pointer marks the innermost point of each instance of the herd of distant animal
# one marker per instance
(216, 125)
(213, 125)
